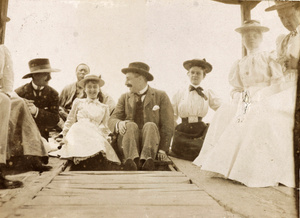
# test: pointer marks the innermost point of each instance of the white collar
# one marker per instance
(143, 90)
(196, 85)
(37, 87)
(254, 51)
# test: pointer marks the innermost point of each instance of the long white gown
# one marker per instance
(86, 132)
(250, 140)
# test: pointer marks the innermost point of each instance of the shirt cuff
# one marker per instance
(117, 127)
(36, 113)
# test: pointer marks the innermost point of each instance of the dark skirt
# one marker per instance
(188, 139)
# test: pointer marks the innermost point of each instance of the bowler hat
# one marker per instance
(251, 25)
(281, 5)
(140, 68)
(198, 63)
(39, 65)
(91, 77)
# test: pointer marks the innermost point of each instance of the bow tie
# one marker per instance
(294, 33)
(199, 90)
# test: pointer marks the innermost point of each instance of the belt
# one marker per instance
(186, 120)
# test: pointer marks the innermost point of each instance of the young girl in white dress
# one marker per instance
(85, 132)
(250, 140)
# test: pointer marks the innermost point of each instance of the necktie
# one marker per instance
(199, 90)
(139, 111)
(38, 91)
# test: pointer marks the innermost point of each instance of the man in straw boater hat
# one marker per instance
(41, 99)
(191, 104)
(143, 119)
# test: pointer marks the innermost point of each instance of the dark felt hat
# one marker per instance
(140, 68)
(91, 77)
(39, 65)
(198, 63)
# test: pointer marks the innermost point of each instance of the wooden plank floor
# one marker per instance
(270, 202)
(121, 194)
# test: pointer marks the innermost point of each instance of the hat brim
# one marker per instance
(198, 63)
(246, 28)
(29, 75)
(84, 81)
(144, 73)
(281, 6)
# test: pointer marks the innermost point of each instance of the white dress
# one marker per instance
(86, 132)
(250, 140)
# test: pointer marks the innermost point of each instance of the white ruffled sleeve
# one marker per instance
(72, 117)
(275, 69)
(175, 103)
(6, 71)
(213, 100)
(104, 124)
(235, 80)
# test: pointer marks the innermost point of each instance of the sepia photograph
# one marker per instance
(149, 108)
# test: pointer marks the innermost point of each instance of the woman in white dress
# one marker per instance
(250, 140)
(85, 131)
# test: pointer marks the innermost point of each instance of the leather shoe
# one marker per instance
(10, 184)
(148, 165)
(41, 168)
(130, 165)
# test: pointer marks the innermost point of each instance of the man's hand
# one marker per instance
(162, 156)
(122, 127)
(31, 106)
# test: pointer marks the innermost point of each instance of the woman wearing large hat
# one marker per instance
(191, 104)
(250, 139)
(85, 132)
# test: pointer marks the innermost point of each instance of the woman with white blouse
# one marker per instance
(191, 104)
(251, 139)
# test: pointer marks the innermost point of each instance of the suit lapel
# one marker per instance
(148, 97)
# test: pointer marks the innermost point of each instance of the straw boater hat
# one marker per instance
(39, 65)
(91, 77)
(281, 5)
(251, 25)
(199, 63)
(140, 68)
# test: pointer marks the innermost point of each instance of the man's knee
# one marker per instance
(149, 125)
(131, 126)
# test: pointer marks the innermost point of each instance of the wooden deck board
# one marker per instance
(248, 202)
(116, 194)
(116, 211)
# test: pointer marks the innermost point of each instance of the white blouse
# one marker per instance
(6, 71)
(88, 110)
(288, 46)
(191, 104)
(257, 69)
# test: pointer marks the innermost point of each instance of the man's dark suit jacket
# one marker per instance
(47, 103)
(157, 109)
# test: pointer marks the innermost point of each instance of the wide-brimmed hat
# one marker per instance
(140, 68)
(39, 65)
(91, 77)
(251, 25)
(281, 5)
(198, 63)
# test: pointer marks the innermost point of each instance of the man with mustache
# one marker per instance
(41, 99)
(143, 119)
